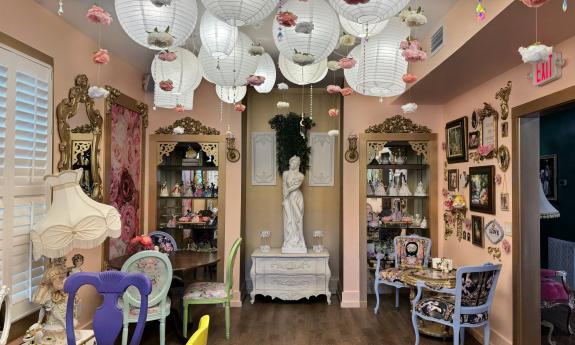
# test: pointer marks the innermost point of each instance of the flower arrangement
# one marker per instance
(101, 57)
(409, 78)
(534, 3)
(303, 59)
(454, 202)
(239, 107)
(506, 246)
(140, 243)
(347, 63)
(346, 40)
(346, 91)
(160, 39)
(97, 15)
(333, 89)
(167, 85)
(282, 105)
(256, 80)
(256, 49)
(283, 86)
(167, 56)
(536, 52)
(178, 130)
(179, 108)
(333, 65)
(413, 17)
(161, 3)
(97, 92)
(333, 112)
(412, 51)
(304, 27)
(409, 108)
(286, 19)
(485, 150)
(356, 2)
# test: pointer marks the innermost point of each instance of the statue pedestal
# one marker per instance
(301, 250)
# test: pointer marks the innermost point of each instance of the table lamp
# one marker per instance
(546, 210)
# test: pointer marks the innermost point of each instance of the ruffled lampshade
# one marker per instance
(369, 12)
(240, 12)
(546, 210)
(267, 69)
(74, 220)
(302, 75)
(361, 30)
(231, 94)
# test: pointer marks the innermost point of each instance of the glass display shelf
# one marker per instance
(186, 197)
(397, 197)
(185, 168)
(399, 166)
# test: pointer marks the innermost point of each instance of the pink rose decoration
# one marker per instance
(130, 222)
(101, 57)
(239, 107)
(333, 112)
(484, 150)
(506, 246)
(97, 15)
(448, 204)
(167, 85)
(534, 3)
(286, 19)
(468, 223)
(404, 45)
(333, 89)
(409, 78)
(256, 80)
(412, 51)
(498, 179)
(346, 91)
(167, 56)
(347, 63)
(356, 2)
(179, 108)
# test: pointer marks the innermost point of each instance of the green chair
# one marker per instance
(212, 292)
(157, 267)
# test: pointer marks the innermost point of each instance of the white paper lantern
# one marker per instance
(302, 75)
(217, 36)
(232, 70)
(240, 12)
(380, 72)
(139, 17)
(231, 94)
(320, 42)
(373, 11)
(267, 69)
(185, 72)
(168, 100)
(361, 30)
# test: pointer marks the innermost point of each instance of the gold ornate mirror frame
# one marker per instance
(67, 109)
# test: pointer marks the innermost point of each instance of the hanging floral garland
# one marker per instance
(290, 141)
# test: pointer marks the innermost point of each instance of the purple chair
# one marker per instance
(108, 319)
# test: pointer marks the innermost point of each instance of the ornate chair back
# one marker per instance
(200, 337)
(230, 265)
(6, 308)
(158, 268)
(411, 251)
(164, 241)
(108, 319)
(475, 288)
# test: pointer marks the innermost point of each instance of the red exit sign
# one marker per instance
(548, 70)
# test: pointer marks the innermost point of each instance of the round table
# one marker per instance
(436, 279)
(181, 260)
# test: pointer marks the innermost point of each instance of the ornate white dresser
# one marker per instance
(290, 276)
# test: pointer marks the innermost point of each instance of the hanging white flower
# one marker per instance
(304, 27)
(283, 86)
(409, 108)
(346, 40)
(413, 18)
(333, 65)
(98, 92)
(282, 105)
(535, 53)
(333, 133)
(161, 3)
(256, 49)
(178, 130)
(303, 59)
(160, 39)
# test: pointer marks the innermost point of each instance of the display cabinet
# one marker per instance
(398, 194)
(187, 179)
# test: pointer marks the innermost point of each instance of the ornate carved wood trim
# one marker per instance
(165, 149)
(190, 126)
(503, 96)
(398, 124)
(374, 147)
(420, 147)
(117, 97)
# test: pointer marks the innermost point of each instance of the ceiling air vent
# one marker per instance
(437, 41)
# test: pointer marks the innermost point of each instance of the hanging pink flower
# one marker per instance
(412, 51)
(347, 63)
(498, 179)
(333, 112)
(101, 57)
(409, 78)
(346, 91)
(467, 223)
(333, 89)
(97, 15)
(167, 56)
(239, 107)
(534, 3)
(484, 150)
(179, 108)
(286, 19)
(167, 85)
(356, 2)
(256, 80)
(506, 246)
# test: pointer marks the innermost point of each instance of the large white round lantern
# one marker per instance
(361, 30)
(380, 72)
(231, 94)
(168, 100)
(371, 12)
(320, 41)
(267, 69)
(232, 70)
(240, 12)
(185, 71)
(218, 37)
(302, 75)
(139, 18)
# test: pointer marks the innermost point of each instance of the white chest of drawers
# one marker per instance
(290, 276)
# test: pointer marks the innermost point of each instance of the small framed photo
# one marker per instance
(452, 180)
(505, 129)
(456, 140)
(474, 140)
(477, 231)
(482, 189)
(548, 175)
(488, 121)
(504, 201)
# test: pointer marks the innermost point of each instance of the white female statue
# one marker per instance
(294, 241)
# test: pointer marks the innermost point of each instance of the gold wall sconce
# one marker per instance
(232, 154)
(351, 155)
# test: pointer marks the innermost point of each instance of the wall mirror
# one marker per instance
(5, 314)
(80, 133)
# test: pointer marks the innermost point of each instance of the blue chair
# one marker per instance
(466, 306)
(164, 241)
(157, 267)
(410, 252)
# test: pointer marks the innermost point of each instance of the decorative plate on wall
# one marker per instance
(494, 231)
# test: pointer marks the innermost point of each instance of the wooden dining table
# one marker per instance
(181, 260)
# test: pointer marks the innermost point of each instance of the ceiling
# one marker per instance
(118, 43)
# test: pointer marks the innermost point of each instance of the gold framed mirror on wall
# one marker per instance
(80, 133)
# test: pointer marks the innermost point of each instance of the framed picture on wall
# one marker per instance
(548, 175)
(504, 201)
(474, 140)
(456, 140)
(452, 180)
(482, 189)
(488, 119)
(477, 231)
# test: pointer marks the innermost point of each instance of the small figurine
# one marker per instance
(417, 220)
(77, 262)
(199, 191)
(392, 190)
(172, 223)
(423, 224)
(164, 189)
(420, 190)
(380, 189)
(189, 190)
(177, 190)
(404, 190)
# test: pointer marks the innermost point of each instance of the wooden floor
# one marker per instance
(303, 323)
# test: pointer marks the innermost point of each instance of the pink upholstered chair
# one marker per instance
(556, 293)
